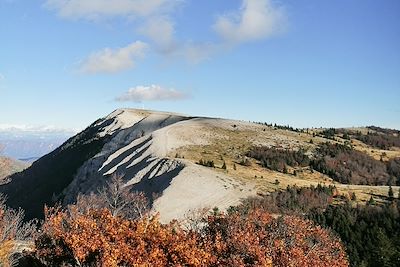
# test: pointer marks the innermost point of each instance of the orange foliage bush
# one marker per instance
(261, 240)
(96, 238)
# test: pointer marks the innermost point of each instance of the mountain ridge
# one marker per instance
(159, 153)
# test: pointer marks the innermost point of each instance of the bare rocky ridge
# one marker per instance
(139, 152)
(157, 152)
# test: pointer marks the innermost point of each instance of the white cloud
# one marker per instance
(151, 93)
(2, 77)
(111, 61)
(257, 19)
(161, 31)
(96, 9)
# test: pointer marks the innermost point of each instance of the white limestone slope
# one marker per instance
(139, 144)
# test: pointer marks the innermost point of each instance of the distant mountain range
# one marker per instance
(29, 143)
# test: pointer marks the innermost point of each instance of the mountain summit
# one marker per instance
(139, 146)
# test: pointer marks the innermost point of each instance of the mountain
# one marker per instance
(182, 163)
(30, 143)
(9, 166)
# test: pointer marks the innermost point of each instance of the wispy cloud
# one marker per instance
(151, 93)
(2, 77)
(256, 19)
(196, 53)
(113, 60)
(98, 9)
(160, 30)
(161, 33)
(253, 21)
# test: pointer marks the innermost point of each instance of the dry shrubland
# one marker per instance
(14, 233)
(99, 231)
(97, 238)
(115, 228)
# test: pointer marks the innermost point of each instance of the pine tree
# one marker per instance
(371, 201)
(391, 194)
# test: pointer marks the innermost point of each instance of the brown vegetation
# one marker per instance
(340, 162)
(394, 168)
(97, 238)
(293, 200)
(349, 166)
(258, 239)
(14, 233)
(117, 198)
(93, 234)
(375, 137)
(277, 159)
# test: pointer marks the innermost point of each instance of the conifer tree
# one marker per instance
(391, 194)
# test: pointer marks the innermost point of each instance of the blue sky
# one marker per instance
(309, 63)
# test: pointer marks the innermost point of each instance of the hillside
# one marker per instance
(9, 166)
(159, 152)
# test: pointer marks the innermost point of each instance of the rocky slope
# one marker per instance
(156, 152)
(134, 144)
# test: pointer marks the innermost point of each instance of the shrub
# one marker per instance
(13, 233)
(329, 133)
(100, 239)
(258, 239)
(96, 238)
(393, 168)
(118, 199)
(206, 163)
(245, 162)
